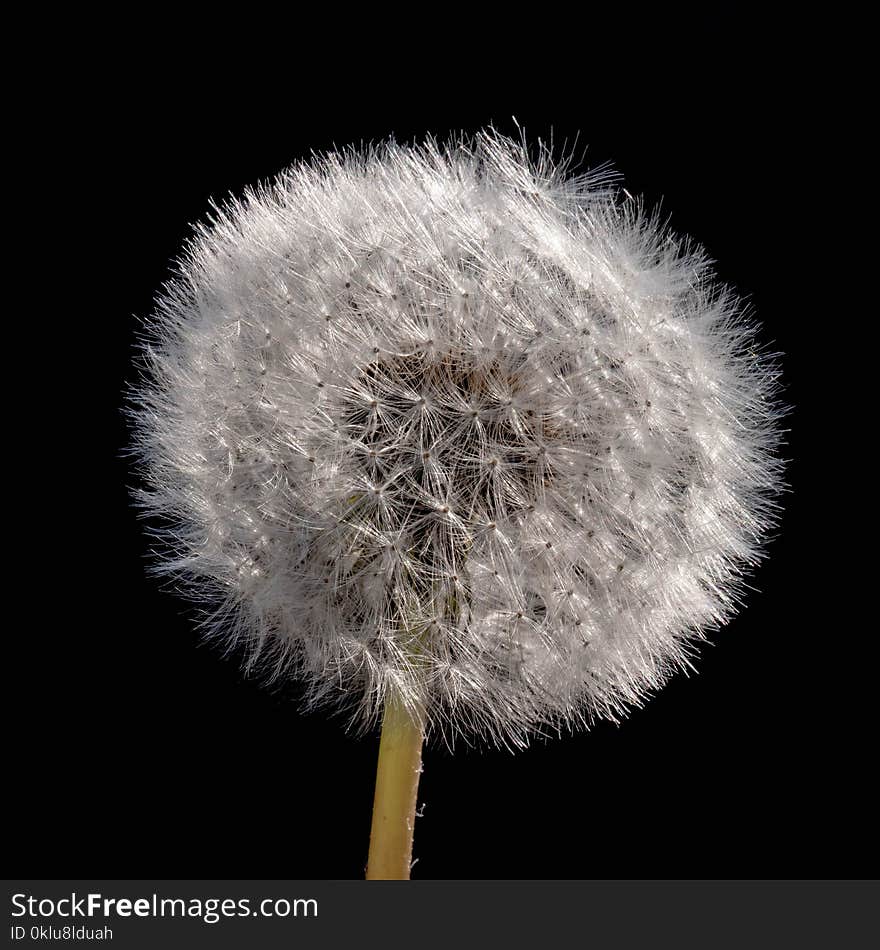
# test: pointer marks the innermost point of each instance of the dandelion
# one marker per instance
(457, 439)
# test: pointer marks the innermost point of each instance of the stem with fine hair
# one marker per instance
(397, 783)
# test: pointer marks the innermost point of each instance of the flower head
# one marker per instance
(446, 423)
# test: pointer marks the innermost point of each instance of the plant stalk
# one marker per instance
(397, 783)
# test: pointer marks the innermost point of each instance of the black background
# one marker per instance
(136, 751)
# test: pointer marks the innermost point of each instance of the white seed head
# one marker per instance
(446, 423)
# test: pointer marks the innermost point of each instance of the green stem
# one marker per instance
(397, 783)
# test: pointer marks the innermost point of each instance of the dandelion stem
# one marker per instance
(394, 804)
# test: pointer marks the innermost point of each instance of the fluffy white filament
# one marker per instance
(448, 423)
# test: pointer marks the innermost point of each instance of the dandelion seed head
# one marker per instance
(449, 423)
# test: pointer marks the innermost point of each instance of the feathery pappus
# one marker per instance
(450, 423)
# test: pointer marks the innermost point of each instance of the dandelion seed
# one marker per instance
(516, 344)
